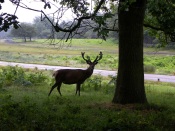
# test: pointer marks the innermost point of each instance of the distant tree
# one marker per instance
(26, 30)
(43, 28)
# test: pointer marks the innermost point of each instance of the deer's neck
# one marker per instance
(89, 71)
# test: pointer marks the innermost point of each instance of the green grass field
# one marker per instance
(25, 105)
(159, 61)
(44, 53)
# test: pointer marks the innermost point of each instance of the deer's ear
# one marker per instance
(88, 62)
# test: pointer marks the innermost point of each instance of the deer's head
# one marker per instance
(89, 62)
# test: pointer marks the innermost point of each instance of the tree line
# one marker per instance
(43, 30)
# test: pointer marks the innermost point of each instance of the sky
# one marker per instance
(25, 15)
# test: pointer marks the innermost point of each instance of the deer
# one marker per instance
(74, 76)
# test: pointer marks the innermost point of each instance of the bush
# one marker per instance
(37, 78)
(149, 69)
(96, 83)
(10, 75)
(93, 83)
(18, 76)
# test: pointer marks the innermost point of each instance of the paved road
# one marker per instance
(152, 77)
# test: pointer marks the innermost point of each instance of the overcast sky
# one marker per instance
(25, 15)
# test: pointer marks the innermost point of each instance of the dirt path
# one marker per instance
(152, 77)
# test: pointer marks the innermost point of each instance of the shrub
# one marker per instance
(18, 76)
(37, 77)
(149, 69)
(10, 75)
(93, 83)
(97, 83)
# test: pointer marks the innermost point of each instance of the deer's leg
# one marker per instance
(58, 88)
(55, 85)
(78, 89)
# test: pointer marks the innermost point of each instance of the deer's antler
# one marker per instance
(99, 57)
(88, 58)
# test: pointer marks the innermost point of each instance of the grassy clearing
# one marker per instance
(43, 51)
(90, 45)
(27, 106)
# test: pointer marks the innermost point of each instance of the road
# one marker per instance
(152, 77)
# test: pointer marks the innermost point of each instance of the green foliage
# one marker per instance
(149, 69)
(18, 76)
(25, 30)
(162, 64)
(22, 109)
(10, 75)
(93, 83)
(6, 20)
(43, 29)
(37, 78)
(31, 108)
(102, 25)
(160, 15)
(79, 7)
(97, 83)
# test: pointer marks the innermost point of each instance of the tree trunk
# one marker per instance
(25, 40)
(130, 80)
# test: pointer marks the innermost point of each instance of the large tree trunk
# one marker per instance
(130, 80)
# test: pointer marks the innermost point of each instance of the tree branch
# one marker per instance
(153, 27)
(58, 28)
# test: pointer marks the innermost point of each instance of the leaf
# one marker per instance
(95, 29)
(45, 6)
(15, 26)
(49, 6)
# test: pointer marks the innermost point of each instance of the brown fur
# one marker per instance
(74, 76)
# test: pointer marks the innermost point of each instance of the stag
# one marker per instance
(74, 76)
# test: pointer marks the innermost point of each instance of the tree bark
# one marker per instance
(130, 80)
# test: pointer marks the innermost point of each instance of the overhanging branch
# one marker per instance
(152, 27)
(73, 28)
(79, 20)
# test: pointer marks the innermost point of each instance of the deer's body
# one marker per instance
(74, 76)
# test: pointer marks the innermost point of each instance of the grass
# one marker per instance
(43, 51)
(161, 93)
(76, 45)
(28, 107)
